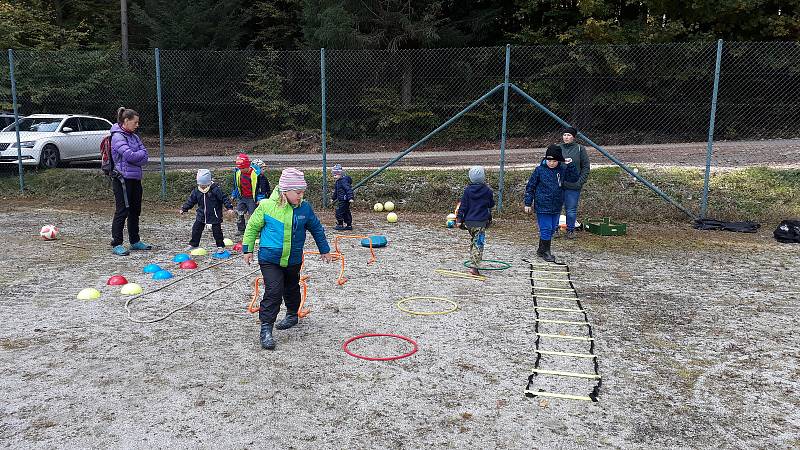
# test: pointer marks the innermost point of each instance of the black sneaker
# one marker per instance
(571, 235)
(348, 227)
(339, 227)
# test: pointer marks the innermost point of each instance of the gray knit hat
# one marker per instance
(477, 174)
(203, 177)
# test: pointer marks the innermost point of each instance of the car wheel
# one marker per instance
(49, 157)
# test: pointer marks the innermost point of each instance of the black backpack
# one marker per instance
(788, 232)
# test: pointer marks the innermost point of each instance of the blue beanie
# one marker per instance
(204, 177)
(477, 174)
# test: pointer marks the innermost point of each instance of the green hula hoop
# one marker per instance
(505, 266)
(399, 305)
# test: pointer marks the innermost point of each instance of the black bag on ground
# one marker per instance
(788, 232)
(711, 224)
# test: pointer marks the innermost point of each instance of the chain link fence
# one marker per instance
(759, 91)
(655, 97)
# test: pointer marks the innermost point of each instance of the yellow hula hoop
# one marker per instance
(400, 303)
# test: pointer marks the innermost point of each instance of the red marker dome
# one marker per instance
(117, 280)
(190, 264)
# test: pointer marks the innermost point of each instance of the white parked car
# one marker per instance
(49, 139)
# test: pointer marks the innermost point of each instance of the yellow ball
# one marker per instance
(228, 242)
(388, 206)
(200, 251)
(378, 207)
(89, 294)
(391, 217)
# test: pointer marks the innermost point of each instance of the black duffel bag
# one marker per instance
(788, 232)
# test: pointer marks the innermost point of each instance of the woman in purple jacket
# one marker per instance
(129, 157)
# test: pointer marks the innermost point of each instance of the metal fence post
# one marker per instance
(16, 119)
(324, 130)
(501, 180)
(160, 125)
(712, 119)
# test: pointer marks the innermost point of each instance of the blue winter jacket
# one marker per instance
(546, 187)
(476, 203)
(343, 189)
(282, 230)
(209, 205)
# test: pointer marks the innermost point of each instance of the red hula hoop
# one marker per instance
(386, 358)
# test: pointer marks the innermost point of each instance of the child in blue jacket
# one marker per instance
(475, 214)
(545, 186)
(280, 224)
(209, 198)
(343, 194)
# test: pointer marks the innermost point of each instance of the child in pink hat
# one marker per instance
(280, 251)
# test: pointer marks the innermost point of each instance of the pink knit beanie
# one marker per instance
(292, 180)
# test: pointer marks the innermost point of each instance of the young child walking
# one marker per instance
(209, 198)
(281, 223)
(545, 187)
(475, 213)
(250, 185)
(343, 194)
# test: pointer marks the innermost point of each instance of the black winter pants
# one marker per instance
(197, 231)
(281, 284)
(133, 188)
(343, 215)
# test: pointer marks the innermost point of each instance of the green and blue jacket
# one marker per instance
(282, 231)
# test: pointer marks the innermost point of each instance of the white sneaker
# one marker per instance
(190, 248)
(220, 250)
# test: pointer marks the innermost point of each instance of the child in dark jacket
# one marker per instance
(209, 198)
(250, 186)
(343, 194)
(475, 214)
(545, 186)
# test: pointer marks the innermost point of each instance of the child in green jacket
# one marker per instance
(280, 223)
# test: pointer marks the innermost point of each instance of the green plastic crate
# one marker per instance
(605, 227)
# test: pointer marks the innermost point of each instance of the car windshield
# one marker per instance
(40, 124)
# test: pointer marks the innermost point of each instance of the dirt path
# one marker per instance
(775, 153)
(696, 334)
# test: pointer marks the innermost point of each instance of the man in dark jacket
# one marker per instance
(209, 198)
(343, 194)
(572, 188)
(475, 213)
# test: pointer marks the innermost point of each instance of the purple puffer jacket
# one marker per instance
(128, 153)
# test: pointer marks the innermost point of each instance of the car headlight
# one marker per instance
(23, 144)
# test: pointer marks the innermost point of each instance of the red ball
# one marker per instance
(117, 280)
(237, 247)
(190, 264)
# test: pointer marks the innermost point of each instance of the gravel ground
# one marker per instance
(696, 334)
